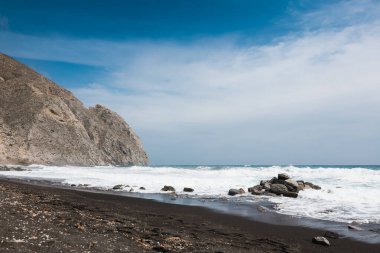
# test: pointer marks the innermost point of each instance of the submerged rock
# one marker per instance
(43, 123)
(321, 241)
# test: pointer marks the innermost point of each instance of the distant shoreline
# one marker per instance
(177, 228)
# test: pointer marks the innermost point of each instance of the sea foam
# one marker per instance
(348, 193)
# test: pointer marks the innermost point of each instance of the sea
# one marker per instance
(350, 194)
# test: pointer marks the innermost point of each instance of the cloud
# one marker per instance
(309, 97)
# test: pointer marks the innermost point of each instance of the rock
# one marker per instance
(256, 190)
(168, 188)
(43, 123)
(280, 189)
(86, 185)
(233, 192)
(142, 188)
(354, 227)
(301, 185)
(2, 79)
(262, 209)
(73, 185)
(321, 241)
(292, 183)
(290, 194)
(309, 185)
(273, 180)
(118, 187)
(283, 176)
(332, 235)
(131, 190)
(265, 184)
(187, 189)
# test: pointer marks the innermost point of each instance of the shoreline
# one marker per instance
(141, 225)
(262, 210)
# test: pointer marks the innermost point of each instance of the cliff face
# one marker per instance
(43, 123)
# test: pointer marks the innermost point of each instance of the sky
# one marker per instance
(216, 81)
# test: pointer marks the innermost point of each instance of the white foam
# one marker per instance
(347, 194)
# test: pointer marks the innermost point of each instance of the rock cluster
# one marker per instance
(282, 185)
(12, 168)
(43, 123)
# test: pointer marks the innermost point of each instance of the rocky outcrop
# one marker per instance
(43, 123)
(281, 185)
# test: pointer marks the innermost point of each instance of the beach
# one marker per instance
(42, 218)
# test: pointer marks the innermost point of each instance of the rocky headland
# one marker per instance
(43, 123)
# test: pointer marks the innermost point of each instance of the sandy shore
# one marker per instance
(37, 218)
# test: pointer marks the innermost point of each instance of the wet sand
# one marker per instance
(37, 218)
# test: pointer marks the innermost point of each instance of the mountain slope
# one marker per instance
(43, 123)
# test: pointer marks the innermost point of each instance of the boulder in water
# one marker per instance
(256, 190)
(283, 176)
(233, 192)
(188, 189)
(168, 188)
(118, 187)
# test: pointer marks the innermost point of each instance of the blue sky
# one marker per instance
(216, 82)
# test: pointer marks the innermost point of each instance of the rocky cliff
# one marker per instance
(43, 123)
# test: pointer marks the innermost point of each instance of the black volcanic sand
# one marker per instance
(38, 218)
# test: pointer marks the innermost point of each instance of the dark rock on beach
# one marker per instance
(118, 187)
(256, 190)
(321, 241)
(233, 192)
(43, 123)
(188, 189)
(168, 188)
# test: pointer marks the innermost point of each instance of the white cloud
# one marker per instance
(308, 98)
